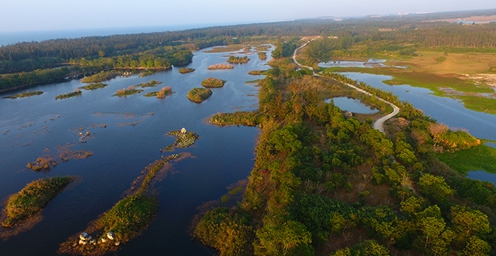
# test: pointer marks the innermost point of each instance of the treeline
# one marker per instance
(45, 76)
(146, 60)
(28, 56)
(326, 184)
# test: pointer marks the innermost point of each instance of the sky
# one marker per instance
(43, 15)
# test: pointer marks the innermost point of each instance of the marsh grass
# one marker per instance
(198, 95)
(186, 70)
(129, 91)
(24, 95)
(33, 198)
(93, 86)
(212, 82)
(75, 93)
(183, 140)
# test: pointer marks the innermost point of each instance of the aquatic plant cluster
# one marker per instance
(186, 70)
(33, 198)
(212, 82)
(198, 95)
(93, 86)
(184, 139)
(75, 93)
(24, 94)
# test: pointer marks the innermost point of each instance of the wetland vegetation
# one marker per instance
(166, 90)
(32, 199)
(213, 82)
(184, 139)
(323, 183)
(220, 66)
(238, 60)
(186, 70)
(129, 91)
(93, 86)
(75, 93)
(198, 95)
(24, 94)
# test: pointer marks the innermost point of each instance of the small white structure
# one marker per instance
(183, 130)
(111, 235)
(83, 236)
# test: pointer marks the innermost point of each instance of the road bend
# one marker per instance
(379, 123)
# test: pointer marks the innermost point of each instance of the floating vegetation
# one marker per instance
(67, 154)
(32, 199)
(24, 95)
(167, 90)
(75, 93)
(152, 83)
(100, 77)
(93, 86)
(42, 163)
(123, 222)
(129, 91)
(198, 95)
(184, 139)
(238, 60)
(220, 66)
(186, 70)
(213, 83)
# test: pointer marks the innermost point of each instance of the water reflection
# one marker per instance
(352, 105)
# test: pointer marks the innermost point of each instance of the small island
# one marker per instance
(262, 55)
(32, 199)
(75, 93)
(238, 60)
(213, 83)
(220, 66)
(123, 222)
(146, 73)
(100, 77)
(184, 139)
(93, 86)
(255, 72)
(152, 83)
(24, 95)
(129, 91)
(186, 70)
(166, 90)
(198, 95)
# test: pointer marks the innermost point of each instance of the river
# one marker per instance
(136, 128)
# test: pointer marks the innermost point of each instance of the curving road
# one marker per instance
(379, 123)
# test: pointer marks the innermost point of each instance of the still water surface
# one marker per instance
(445, 110)
(136, 128)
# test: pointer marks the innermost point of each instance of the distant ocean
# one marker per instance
(27, 36)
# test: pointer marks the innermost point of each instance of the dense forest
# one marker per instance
(326, 184)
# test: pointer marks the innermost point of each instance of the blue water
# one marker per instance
(352, 105)
(40, 125)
